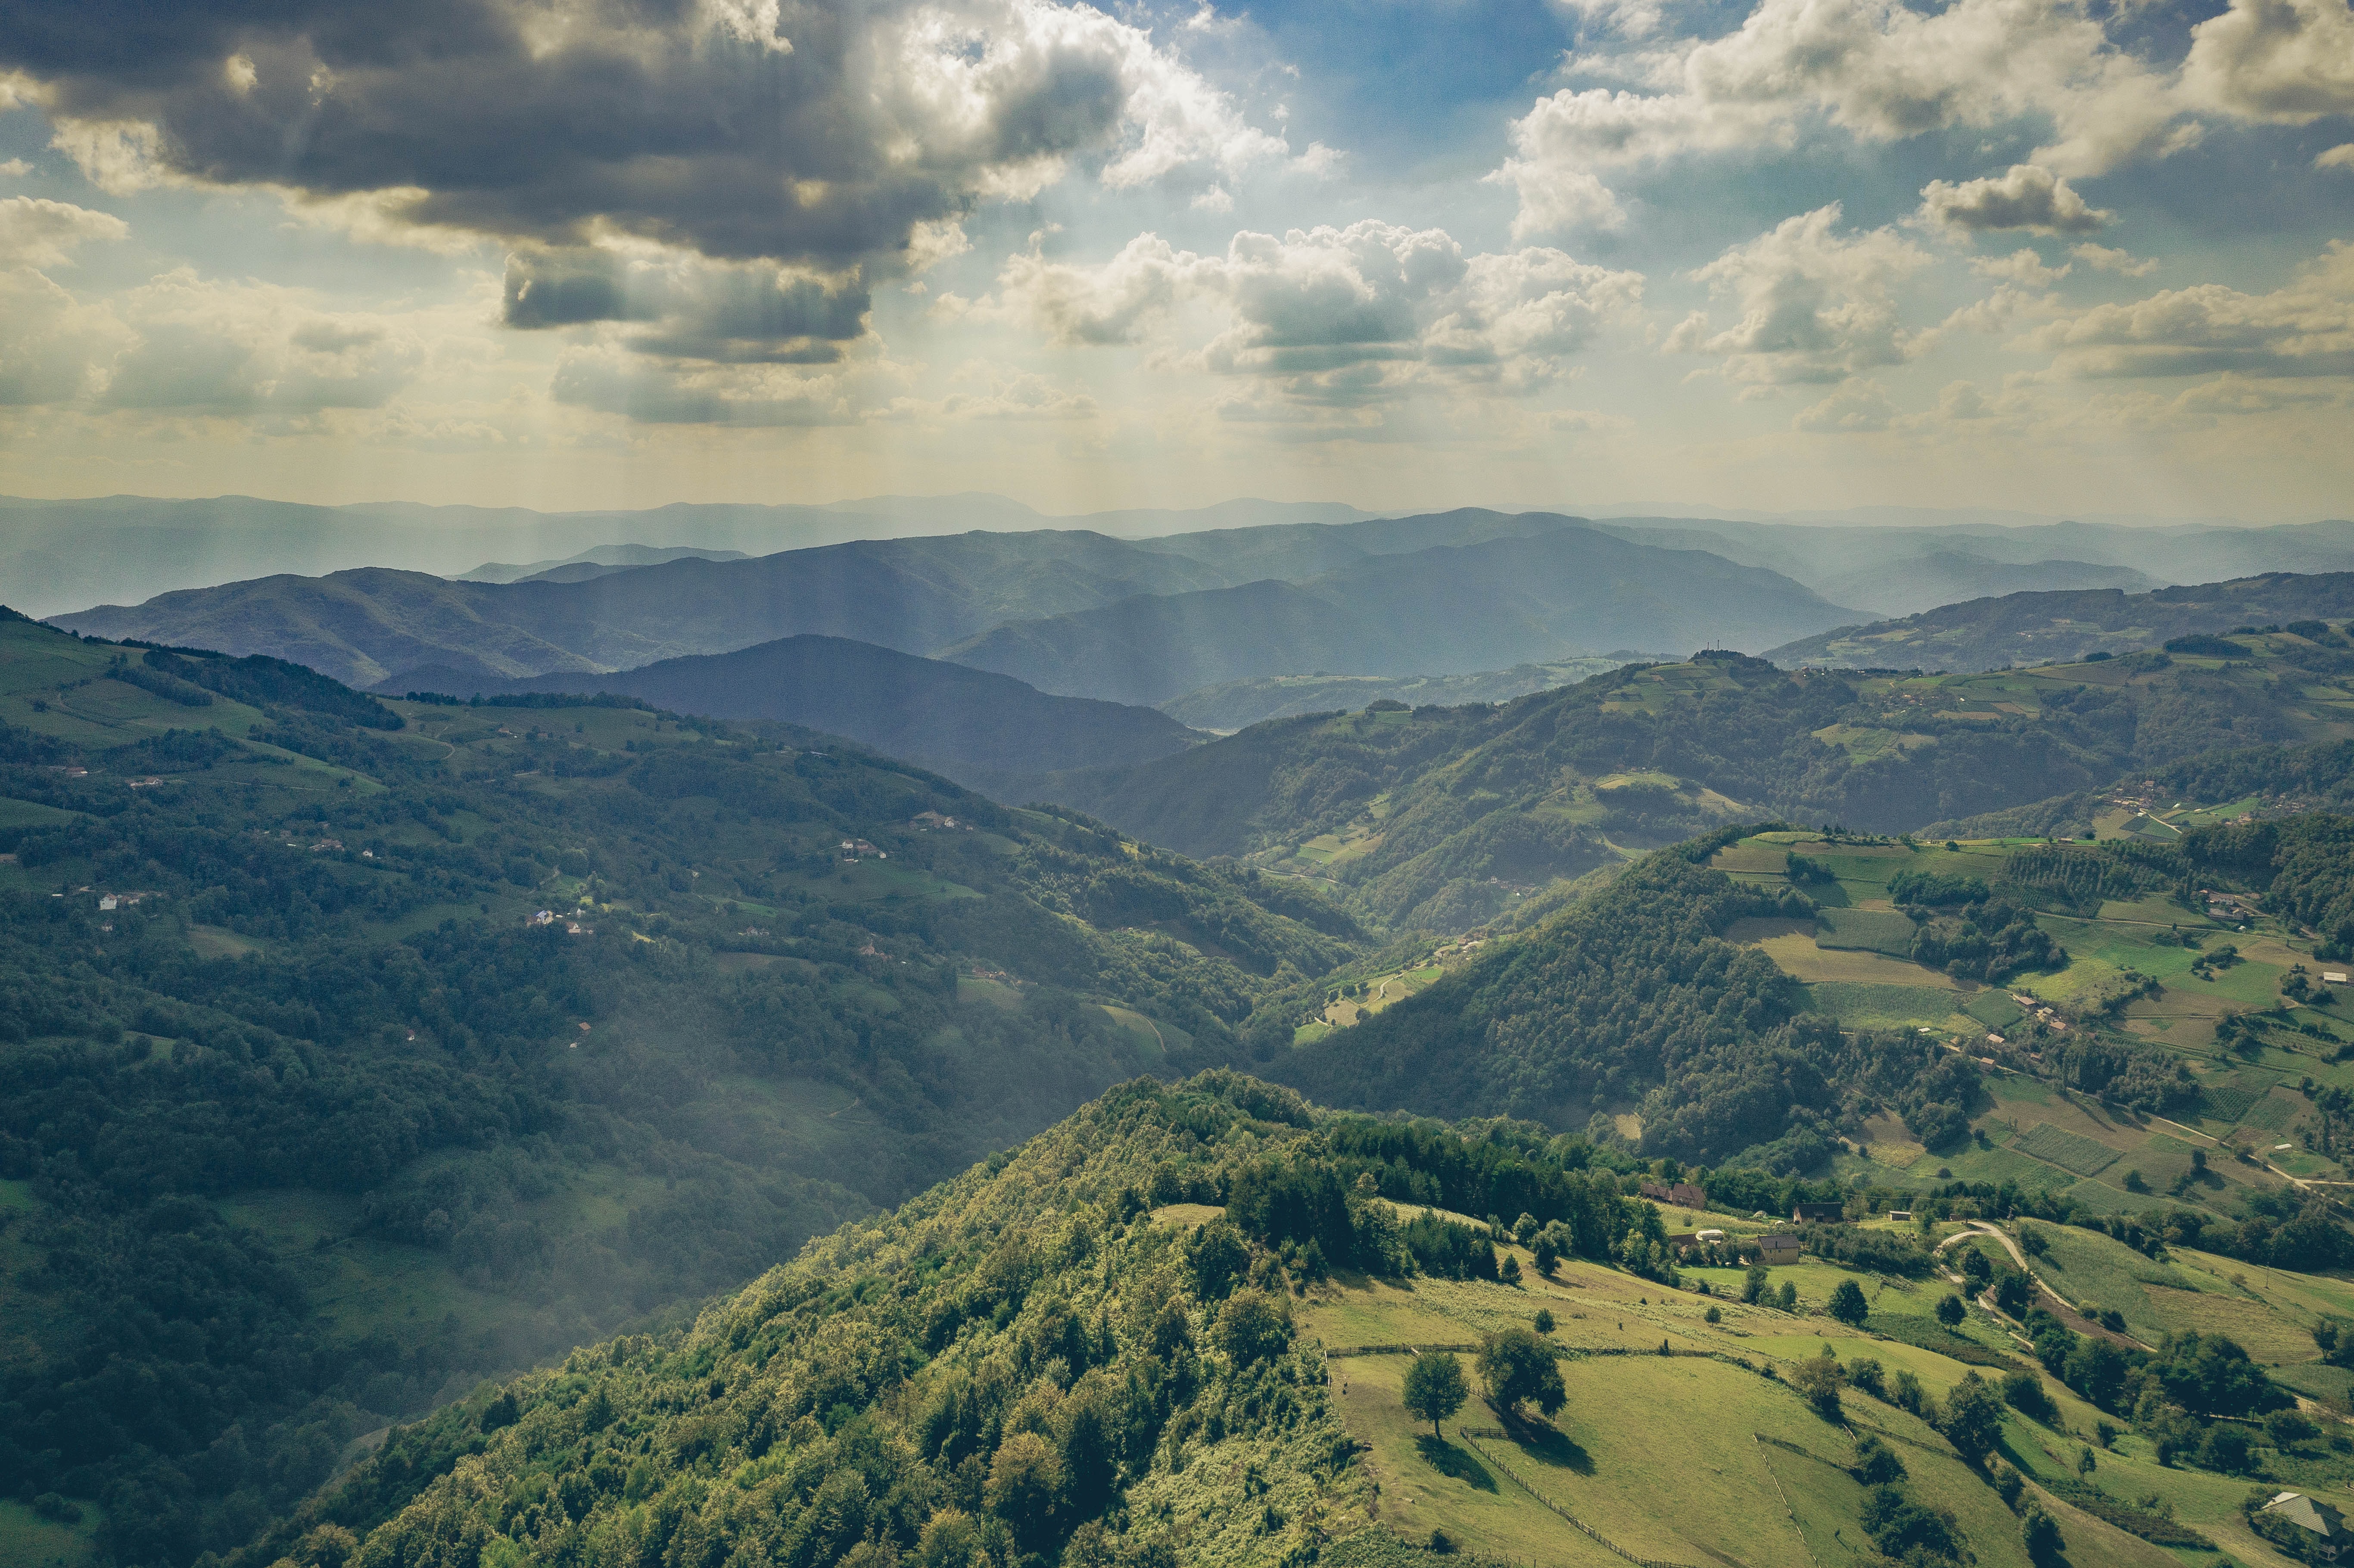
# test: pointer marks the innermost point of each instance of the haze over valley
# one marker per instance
(1023, 784)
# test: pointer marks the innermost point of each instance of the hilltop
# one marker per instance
(1174, 1329)
(2028, 628)
(1446, 818)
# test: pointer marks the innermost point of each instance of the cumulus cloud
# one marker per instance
(1851, 410)
(39, 233)
(2286, 61)
(1814, 305)
(2028, 196)
(2022, 267)
(2102, 258)
(1339, 317)
(2304, 329)
(51, 345)
(2339, 157)
(821, 132)
(1880, 69)
(205, 347)
(185, 346)
(738, 315)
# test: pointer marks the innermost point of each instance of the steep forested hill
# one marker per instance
(350, 1048)
(2025, 628)
(1442, 818)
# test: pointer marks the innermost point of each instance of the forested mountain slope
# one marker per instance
(969, 723)
(1074, 1356)
(1441, 818)
(1449, 609)
(349, 1048)
(2026, 628)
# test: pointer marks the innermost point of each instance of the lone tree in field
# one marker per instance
(1950, 1312)
(1519, 1369)
(1847, 1304)
(1435, 1388)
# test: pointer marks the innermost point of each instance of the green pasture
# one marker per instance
(28, 1541)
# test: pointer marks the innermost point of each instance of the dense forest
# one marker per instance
(1449, 813)
(538, 1018)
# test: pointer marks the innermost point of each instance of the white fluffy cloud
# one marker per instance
(1878, 68)
(2286, 61)
(2027, 197)
(1814, 305)
(2304, 329)
(1338, 316)
(39, 233)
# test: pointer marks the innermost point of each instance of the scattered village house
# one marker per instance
(1774, 1247)
(1682, 1194)
(1817, 1214)
(2322, 1527)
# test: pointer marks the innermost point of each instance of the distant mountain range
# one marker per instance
(593, 563)
(1901, 570)
(1555, 589)
(971, 725)
(58, 556)
(2030, 628)
(1451, 593)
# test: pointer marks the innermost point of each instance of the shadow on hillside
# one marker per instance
(1456, 1463)
(1547, 1444)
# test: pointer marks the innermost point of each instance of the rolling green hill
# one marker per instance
(2027, 628)
(353, 1050)
(1443, 819)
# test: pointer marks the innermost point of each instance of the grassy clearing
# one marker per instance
(28, 1541)
(1800, 958)
(1874, 930)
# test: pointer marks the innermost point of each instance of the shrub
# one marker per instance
(1876, 1464)
(1866, 1375)
(2024, 1393)
(1950, 1312)
(2042, 1535)
(1544, 1319)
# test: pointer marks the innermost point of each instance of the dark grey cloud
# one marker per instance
(744, 314)
(816, 133)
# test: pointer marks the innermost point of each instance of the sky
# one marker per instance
(570, 254)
